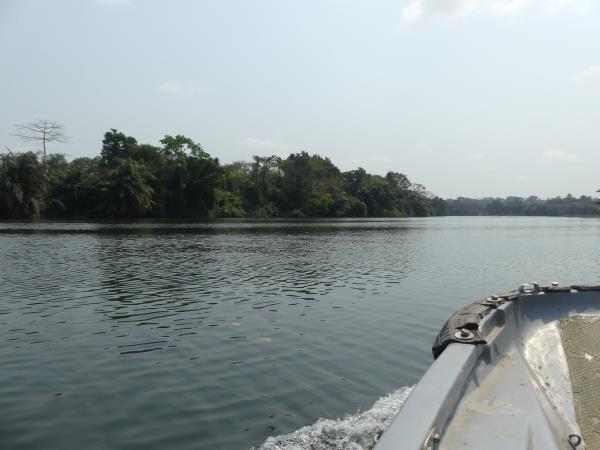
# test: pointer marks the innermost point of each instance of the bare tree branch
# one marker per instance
(43, 131)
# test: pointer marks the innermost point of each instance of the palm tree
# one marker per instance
(125, 190)
(23, 185)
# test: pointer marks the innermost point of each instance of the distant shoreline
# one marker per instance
(258, 220)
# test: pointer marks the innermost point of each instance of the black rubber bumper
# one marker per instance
(467, 318)
(464, 325)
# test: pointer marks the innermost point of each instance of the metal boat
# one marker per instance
(519, 371)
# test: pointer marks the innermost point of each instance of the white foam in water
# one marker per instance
(355, 432)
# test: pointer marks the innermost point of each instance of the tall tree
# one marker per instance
(263, 192)
(116, 145)
(41, 130)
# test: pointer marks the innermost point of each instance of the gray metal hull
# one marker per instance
(510, 384)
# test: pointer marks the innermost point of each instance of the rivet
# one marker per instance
(463, 334)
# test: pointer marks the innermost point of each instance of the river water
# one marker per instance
(218, 335)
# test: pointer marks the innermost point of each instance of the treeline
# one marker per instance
(518, 206)
(180, 179)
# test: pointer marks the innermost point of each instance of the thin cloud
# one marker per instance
(170, 87)
(423, 9)
(560, 155)
(587, 74)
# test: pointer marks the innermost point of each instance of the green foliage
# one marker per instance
(311, 186)
(124, 190)
(390, 196)
(180, 146)
(530, 206)
(355, 207)
(115, 146)
(440, 207)
(58, 168)
(75, 191)
(227, 204)
(180, 179)
(23, 185)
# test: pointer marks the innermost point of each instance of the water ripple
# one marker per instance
(217, 335)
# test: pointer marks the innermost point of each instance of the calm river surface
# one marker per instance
(218, 335)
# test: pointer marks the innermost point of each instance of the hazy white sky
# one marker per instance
(468, 97)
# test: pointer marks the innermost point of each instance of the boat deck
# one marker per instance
(533, 384)
(581, 342)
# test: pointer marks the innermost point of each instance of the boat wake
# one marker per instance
(354, 432)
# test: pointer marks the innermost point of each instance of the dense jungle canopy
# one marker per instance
(180, 179)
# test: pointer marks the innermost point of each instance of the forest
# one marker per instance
(180, 179)
(530, 206)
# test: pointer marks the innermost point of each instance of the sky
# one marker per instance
(470, 98)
